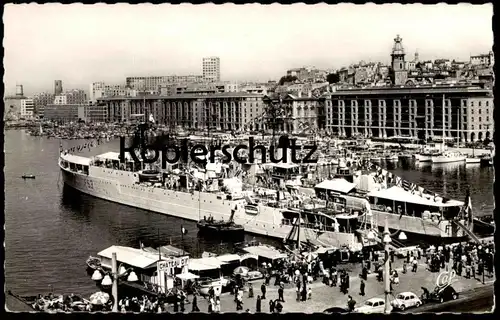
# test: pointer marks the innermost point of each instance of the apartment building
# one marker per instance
(424, 112)
(27, 109)
(211, 69)
(64, 113)
(41, 100)
(219, 111)
(101, 89)
(297, 113)
(153, 83)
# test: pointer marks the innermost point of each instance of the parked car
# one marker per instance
(443, 294)
(406, 300)
(373, 305)
(336, 310)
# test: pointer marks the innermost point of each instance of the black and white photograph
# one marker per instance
(249, 158)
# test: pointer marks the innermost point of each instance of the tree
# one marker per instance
(333, 78)
(286, 79)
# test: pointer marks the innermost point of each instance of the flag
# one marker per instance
(468, 207)
(406, 185)
(183, 230)
(398, 181)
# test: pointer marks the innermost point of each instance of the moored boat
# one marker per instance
(472, 160)
(28, 176)
(93, 263)
(448, 157)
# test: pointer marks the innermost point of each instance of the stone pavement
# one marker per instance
(324, 297)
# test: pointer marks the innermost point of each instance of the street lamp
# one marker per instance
(386, 239)
(112, 280)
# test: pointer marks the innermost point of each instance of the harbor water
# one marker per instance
(51, 230)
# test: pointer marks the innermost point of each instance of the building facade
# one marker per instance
(219, 111)
(41, 100)
(298, 114)
(211, 69)
(27, 109)
(101, 89)
(58, 89)
(483, 59)
(425, 112)
(95, 113)
(64, 113)
(153, 83)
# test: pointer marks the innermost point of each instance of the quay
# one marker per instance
(325, 296)
(14, 304)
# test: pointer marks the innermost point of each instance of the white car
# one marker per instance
(406, 300)
(373, 305)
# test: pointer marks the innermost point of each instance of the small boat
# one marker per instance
(220, 227)
(28, 176)
(392, 158)
(472, 160)
(93, 263)
(448, 157)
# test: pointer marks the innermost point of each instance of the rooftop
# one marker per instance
(186, 96)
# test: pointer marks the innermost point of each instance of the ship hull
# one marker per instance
(118, 186)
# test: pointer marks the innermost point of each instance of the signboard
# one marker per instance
(169, 264)
(445, 278)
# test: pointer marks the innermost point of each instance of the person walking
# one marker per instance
(404, 266)
(250, 290)
(194, 304)
(263, 289)
(280, 294)
(415, 265)
(362, 288)
(217, 304)
(271, 305)
(258, 305)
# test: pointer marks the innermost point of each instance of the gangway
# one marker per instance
(466, 230)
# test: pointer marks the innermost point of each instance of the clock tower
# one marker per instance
(399, 74)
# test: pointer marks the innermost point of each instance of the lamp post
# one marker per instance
(114, 289)
(386, 239)
(112, 281)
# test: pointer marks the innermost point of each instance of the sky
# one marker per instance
(80, 44)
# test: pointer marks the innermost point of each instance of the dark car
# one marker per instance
(444, 294)
(336, 310)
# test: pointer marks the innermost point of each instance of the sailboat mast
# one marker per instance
(298, 232)
(443, 122)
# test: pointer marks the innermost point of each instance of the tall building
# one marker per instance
(153, 83)
(27, 109)
(58, 89)
(41, 100)
(399, 74)
(75, 96)
(211, 69)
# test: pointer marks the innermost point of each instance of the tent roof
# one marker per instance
(399, 194)
(226, 258)
(202, 264)
(265, 252)
(131, 256)
(187, 276)
(341, 185)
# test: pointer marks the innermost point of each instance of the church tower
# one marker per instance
(399, 74)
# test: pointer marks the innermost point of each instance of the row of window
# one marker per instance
(412, 103)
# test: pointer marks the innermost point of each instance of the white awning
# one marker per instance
(202, 264)
(226, 258)
(134, 257)
(265, 252)
(399, 194)
(187, 276)
(340, 185)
